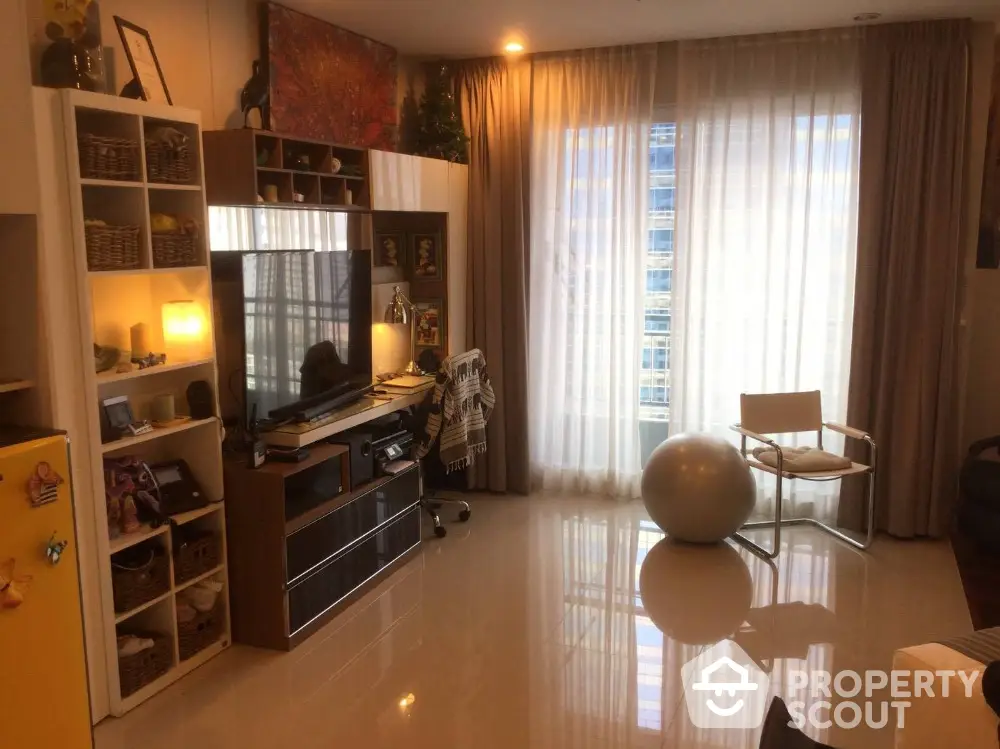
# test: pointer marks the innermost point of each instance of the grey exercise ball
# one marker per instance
(695, 594)
(698, 488)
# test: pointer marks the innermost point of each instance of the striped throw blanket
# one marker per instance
(462, 403)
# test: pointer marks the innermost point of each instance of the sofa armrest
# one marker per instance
(939, 721)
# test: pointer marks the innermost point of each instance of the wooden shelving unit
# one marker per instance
(110, 302)
(243, 166)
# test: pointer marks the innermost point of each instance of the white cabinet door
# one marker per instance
(395, 184)
(408, 183)
(434, 181)
(19, 186)
(458, 258)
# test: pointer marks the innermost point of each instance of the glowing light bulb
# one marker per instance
(513, 48)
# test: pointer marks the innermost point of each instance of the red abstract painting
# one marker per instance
(329, 83)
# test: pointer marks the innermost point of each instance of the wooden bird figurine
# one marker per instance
(256, 95)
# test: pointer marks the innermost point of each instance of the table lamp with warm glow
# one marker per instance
(400, 312)
(183, 331)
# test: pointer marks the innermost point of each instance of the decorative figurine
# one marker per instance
(130, 516)
(43, 486)
(12, 587)
(256, 95)
(54, 549)
(150, 360)
(114, 517)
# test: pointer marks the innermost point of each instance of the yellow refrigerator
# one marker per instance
(44, 698)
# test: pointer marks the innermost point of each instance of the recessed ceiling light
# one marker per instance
(513, 48)
(866, 17)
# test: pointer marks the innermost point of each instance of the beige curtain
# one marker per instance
(903, 384)
(496, 106)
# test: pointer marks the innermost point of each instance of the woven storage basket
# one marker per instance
(175, 249)
(112, 247)
(165, 163)
(108, 158)
(196, 557)
(136, 671)
(204, 630)
(139, 577)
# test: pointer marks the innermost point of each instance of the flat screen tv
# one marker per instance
(295, 330)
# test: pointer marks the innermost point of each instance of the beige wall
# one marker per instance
(205, 47)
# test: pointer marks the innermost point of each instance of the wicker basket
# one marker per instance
(136, 671)
(112, 247)
(139, 575)
(196, 557)
(108, 158)
(166, 163)
(174, 249)
(204, 630)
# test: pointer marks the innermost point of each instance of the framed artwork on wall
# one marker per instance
(327, 82)
(430, 323)
(142, 59)
(426, 257)
(390, 248)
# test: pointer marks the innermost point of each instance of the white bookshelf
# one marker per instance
(108, 303)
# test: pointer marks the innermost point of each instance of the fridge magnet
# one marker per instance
(43, 486)
(12, 587)
(426, 257)
(54, 549)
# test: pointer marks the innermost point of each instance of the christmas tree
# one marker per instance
(440, 133)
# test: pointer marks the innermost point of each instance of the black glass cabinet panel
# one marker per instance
(326, 586)
(326, 537)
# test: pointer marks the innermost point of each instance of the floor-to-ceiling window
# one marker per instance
(654, 388)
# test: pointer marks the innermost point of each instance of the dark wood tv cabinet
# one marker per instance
(302, 547)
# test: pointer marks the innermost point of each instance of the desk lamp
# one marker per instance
(400, 312)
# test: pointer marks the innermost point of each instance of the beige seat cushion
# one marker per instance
(802, 459)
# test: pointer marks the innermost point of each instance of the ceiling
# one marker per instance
(472, 28)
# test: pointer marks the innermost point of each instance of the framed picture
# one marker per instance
(143, 61)
(389, 248)
(426, 257)
(430, 323)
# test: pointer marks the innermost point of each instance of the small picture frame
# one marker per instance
(118, 412)
(390, 248)
(142, 60)
(430, 323)
(426, 258)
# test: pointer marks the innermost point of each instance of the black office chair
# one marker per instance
(434, 474)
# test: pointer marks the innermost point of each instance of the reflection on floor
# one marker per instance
(560, 623)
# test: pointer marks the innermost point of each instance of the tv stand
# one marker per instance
(303, 546)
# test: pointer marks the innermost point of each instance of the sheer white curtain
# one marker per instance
(768, 159)
(591, 114)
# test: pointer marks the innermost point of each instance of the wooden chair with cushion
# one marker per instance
(786, 413)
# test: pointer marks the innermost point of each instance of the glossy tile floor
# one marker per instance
(560, 623)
